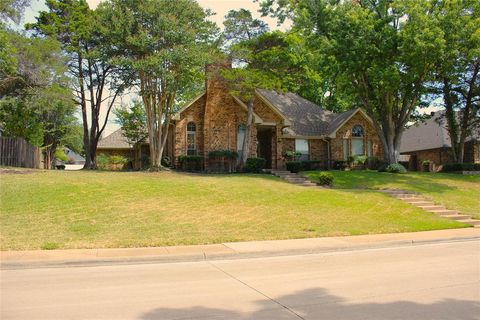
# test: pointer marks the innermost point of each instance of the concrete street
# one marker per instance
(431, 281)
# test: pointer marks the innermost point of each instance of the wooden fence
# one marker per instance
(16, 152)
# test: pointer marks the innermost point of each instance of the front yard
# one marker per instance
(454, 191)
(58, 209)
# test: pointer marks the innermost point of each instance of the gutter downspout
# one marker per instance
(328, 152)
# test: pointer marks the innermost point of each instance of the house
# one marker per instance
(429, 140)
(215, 120)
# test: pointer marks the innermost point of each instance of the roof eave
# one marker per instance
(286, 121)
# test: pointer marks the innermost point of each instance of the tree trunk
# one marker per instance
(248, 133)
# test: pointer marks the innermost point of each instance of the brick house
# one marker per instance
(429, 140)
(215, 120)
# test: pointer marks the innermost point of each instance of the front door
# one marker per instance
(264, 137)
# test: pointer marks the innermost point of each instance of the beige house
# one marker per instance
(215, 120)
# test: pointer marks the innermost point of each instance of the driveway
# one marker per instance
(434, 281)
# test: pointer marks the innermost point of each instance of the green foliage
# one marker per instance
(373, 163)
(357, 160)
(228, 154)
(255, 165)
(60, 155)
(185, 158)
(308, 165)
(395, 168)
(117, 159)
(457, 167)
(240, 26)
(293, 155)
(133, 122)
(324, 178)
(426, 162)
(102, 161)
(190, 163)
(294, 166)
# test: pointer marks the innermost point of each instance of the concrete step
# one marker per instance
(398, 192)
(421, 203)
(295, 179)
(428, 208)
(444, 212)
(408, 197)
(457, 217)
(290, 176)
(473, 222)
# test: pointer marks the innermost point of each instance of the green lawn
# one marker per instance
(61, 209)
(454, 191)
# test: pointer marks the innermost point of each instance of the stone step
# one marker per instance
(421, 203)
(296, 179)
(406, 196)
(428, 208)
(457, 217)
(290, 176)
(473, 222)
(398, 192)
(444, 212)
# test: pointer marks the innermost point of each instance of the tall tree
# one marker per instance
(133, 121)
(37, 103)
(240, 25)
(79, 30)
(381, 52)
(164, 45)
(458, 70)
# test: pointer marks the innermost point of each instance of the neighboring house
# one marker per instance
(215, 120)
(429, 140)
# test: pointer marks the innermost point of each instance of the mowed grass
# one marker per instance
(61, 209)
(454, 191)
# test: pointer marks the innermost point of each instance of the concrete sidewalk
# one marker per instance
(233, 250)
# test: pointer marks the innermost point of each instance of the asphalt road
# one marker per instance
(436, 281)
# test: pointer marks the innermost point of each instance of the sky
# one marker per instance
(220, 7)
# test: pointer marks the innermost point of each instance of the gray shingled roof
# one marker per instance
(115, 140)
(308, 119)
(429, 134)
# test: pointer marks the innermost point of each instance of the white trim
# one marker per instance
(365, 115)
(275, 109)
(256, 119)
(176, 116)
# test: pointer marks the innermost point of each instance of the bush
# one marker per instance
(309, 165)
(60, 155)
(190, 163)
(228, 154)
(425, 163)
(325, 178)
(294, 166)
(339, 165)
(166, 162)
(255, 165)
(102, 161)
(452, 167)
(117, 160)
(396, 168)
(382, 166)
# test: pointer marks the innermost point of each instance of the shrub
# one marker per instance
(117, 160)
(294, 166)
(144, 161)
(102, 161)
(382, 166)
(339, 165)
(228, 154)
(166, 162)
(452, 167)
(359, 160)
(60, 155)
(309, 165)
(325, 178)
(292, 155)
(396, 168)
(255, 164)
(425, 163)
(190, 163)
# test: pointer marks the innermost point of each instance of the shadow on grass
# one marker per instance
(319, 304)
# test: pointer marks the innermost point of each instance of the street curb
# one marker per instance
(196, 257)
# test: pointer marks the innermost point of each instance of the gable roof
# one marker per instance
(115, 140)
(429, 134)
(306, 118)
(176, 116)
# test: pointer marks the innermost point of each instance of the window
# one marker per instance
(301, 146)
(357, 140)
(357, 131)
(191, 139)
(345, 149)
(240, 138)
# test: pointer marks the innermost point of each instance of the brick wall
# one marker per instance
(437, 157)
(345, 132)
